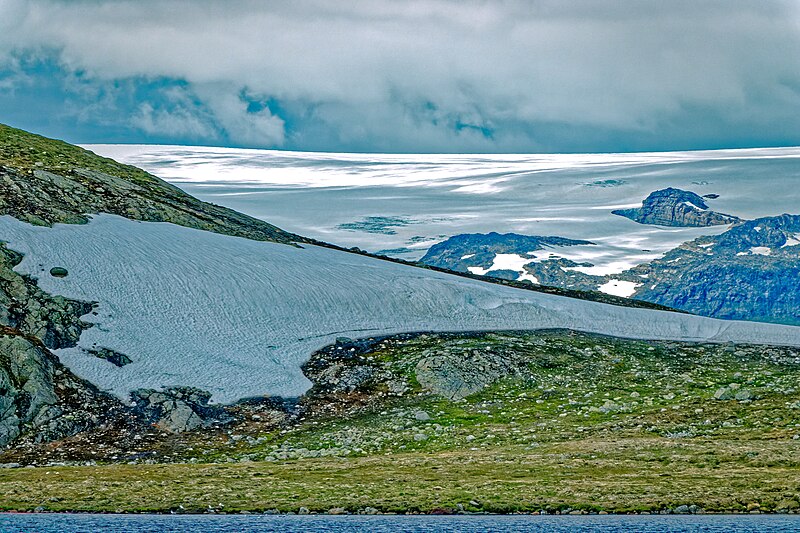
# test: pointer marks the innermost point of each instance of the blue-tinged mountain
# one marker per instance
(481, 253)
(750, 272)
(676, 207)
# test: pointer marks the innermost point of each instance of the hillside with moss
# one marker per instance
(514, 422)
(44, 181)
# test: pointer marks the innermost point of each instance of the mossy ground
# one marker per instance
(589, 474)
(590, 423)
(27, 152)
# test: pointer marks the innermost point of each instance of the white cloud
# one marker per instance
(243, 127)
(178, 122)
(389, 72)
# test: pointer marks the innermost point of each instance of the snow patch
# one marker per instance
(694, 206)
(792, 240)
(618, 287)
(467, 256)
(238, 317)
(760, 250)
(509, 262)
(513, 262)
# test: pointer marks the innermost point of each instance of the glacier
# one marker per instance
(320, 195)
(238, 317)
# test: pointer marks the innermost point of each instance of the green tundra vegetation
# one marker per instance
(487, 422)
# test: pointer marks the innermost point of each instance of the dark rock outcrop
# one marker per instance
(112, 356)
(460, 252)
(177, 409)
(40, 399)
(676, 207)
(55, 320)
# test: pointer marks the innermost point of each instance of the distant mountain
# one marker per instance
(750, 272)
(676, 207)
(480, 253)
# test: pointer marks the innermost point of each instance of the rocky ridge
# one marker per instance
(749, 272)
(43, 181)
(477, 250)
(676, 207)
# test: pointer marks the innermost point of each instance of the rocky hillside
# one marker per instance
(478, 252)
(676, 207)
(749, 272)
(44, 181)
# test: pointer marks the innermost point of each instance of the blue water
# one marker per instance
(66, 523)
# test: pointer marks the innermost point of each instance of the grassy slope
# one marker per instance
(588, 423)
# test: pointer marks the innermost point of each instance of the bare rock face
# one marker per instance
(460, 252)
(456, 374)
(676, 207)
(177, 409)
(54, 320)
(40, 399)
(750, 272)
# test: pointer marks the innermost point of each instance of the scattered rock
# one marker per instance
(112, 356)
(59, 272)
(177, 409)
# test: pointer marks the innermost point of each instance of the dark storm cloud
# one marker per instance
(427, 75)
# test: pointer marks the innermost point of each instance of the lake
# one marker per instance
(68, 523)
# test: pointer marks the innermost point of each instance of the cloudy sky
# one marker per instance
(405, 76)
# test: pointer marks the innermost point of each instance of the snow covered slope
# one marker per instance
(237, 317)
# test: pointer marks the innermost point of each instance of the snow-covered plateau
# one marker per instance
(238, 317)
(401, 204)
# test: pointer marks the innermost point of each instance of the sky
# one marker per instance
(405, 76)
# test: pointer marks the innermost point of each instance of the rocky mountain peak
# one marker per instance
(676, 207)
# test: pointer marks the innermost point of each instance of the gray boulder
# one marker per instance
(177, 409)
